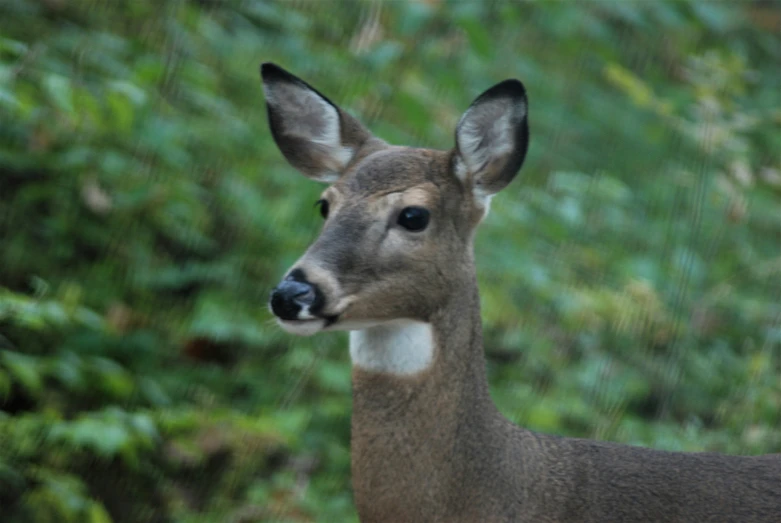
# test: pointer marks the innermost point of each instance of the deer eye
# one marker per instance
(323, 204)
(413, 219)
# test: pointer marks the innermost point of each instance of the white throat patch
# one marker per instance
(399, 347)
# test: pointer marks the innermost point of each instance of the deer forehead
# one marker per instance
(396, 169)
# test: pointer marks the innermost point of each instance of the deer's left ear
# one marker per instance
(492, 138)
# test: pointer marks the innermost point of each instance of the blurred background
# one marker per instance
(630, 276)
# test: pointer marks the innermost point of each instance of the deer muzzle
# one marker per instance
(295, 298)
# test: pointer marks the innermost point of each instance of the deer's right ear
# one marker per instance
(315, 136)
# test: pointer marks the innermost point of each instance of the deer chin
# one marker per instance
(303, 327)
(349, 324)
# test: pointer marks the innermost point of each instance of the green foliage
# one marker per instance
(630, 277)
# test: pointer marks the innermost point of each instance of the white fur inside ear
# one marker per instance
(481, 196)
(485, 134)
(484, 200)
(307, 116)
(461, 169)
(399, 347)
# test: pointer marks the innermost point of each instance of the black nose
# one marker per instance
(291, 296)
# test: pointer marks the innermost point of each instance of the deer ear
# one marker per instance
(492, 138)
(315, 136)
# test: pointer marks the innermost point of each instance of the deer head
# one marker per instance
(396, 243)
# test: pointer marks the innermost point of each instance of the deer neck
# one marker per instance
(443, 356)
(417, 411)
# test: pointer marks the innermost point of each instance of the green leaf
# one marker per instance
(113, 379)
(121, 111)
(98, 514)
(479, 38)
(24, 369)
(60, 92)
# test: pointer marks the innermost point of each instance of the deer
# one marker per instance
(394, 265)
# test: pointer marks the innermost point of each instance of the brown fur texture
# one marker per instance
(432, 446)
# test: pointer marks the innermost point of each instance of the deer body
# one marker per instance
(426, 450)
(394, 265)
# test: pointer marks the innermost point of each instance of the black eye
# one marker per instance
(323, 204)
(414, 218)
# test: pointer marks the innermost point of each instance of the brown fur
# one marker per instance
(432, 446)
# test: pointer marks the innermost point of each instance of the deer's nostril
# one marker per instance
(305, 297)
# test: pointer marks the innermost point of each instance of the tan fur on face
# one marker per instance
(372, 269)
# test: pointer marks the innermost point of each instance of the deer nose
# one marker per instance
(291, 297)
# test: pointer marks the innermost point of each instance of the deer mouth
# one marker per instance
(302, 327)
(309, 326)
